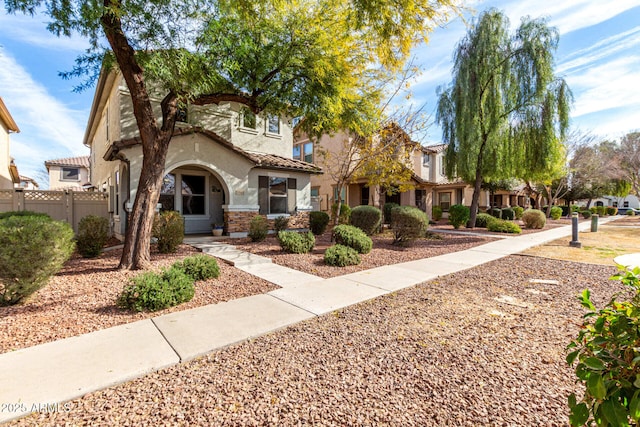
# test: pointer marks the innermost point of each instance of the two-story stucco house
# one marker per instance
(224, 165)
(71, 173)
(8, 170)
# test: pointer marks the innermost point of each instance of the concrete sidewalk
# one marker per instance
(42, 377)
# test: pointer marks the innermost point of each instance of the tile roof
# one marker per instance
(82, 161)
(437, 148)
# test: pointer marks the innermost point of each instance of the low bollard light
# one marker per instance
(594, 223)
(574, 243)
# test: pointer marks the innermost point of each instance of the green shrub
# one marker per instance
(388, 207)
(586, 214)
(168, 228)
(296, 243)
(341, 256)
(408, 223)
(602, 210)
(8, 214)
(281, 223)
(483, 219)
(556, 212)
(32, 249)
(351, 236)
(93, 232)
(199, 267)
(495, 212)
(258, 228)
(631, 212)
(153, 292)
(534, 218)
(345, 213)
(593, 210)
(575, 208)
(458, 215)
(318, 222)
(612, 210)
(366, 218)
(508, 214)
(503, 226)
(566, 210)
(518, 211)
(436, 213)
(606, 363)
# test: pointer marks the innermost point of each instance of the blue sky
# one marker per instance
(598, 55)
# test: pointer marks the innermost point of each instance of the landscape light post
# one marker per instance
(574, 243)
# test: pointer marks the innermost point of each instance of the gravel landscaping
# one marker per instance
(481, 347)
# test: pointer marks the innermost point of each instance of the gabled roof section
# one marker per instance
(437, 148)
(80, 161)
(261, 160)
(6, 118)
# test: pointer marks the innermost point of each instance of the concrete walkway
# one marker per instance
(41, 377)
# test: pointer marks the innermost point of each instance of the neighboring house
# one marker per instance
(71, 173)
(225, 165)
(27, 183)
(622, 203)
(8, 170)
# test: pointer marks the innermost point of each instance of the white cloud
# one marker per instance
(32, 30)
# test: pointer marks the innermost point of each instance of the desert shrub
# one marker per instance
(611, 210)
(296, 243)
(436, 213)
(606, 362)
(495, 212)
(408, 223)
(534, 218)
(556, 212)
(575, 208)
(168, 228)
(345, 213)
(32, 249)
(503, 226)
(93, 232)
(281, 223)
(318, 222)
(508, 214)
(341, 256)
(388, 207)
(631, 212)
(586, 214)
(366, 218)
(593, 210)
(518, 211)
(602, 210)
(153, 291)
(483, 219)
(199, 267)
(8, 214)
(258, 228)
(351, 236)
(458, 215)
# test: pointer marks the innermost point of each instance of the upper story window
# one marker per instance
(273, 124)
(443, 172)
(247, 119)
(303, 151)
(70, 174)
(297, 151)
(425, 159)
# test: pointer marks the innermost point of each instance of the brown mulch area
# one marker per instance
(444, 353)
(82, 298)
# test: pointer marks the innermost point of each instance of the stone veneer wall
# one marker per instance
(238, 222)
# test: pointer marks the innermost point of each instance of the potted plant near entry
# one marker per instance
(216, 229)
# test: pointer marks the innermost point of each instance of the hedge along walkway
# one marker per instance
(59, 371)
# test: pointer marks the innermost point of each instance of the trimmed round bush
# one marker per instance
(556, 212)
(495, 212)
(436, 213)
(341, 256)
(351, 236)
(602, 210)
(408, 223)
(611, 210)
(631, 213)
(199, 267)
(575, 208)
(534, 218)
(503, 226)
(366, 218)
(518, 211)
(296, 243)
(345, 213)
(281, 223)
(482, 219)
(153, 291)
(593, 210)
(586, 214)
(388, 207)
(93, 232)
(32, 249)
(258, 228)
(318, 222)
(458, 215)
(8, 214)
(508, 214)
(168, 228)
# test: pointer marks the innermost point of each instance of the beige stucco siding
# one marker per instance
(57, 182)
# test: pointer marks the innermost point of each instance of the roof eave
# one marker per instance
(5, 116)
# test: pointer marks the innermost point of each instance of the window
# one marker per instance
(364, 195)
(626, 204)
(296, 152)
(615, 204)
(425, 159)
(70, 174)
(168, 193)
(315, 191)
(193, 198)
(442, 170)
(343, 193)
(303, 152)
(117, 194)
(273, 124)
(444, 200)
(247, 119)
(496, 200)
(276, 195)
(421, 199)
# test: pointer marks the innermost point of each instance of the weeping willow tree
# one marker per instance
(505, 112)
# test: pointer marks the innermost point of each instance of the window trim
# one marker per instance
(440, 202)
(62, 178)
(267, 124)
(428, 157)
(241, 125)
